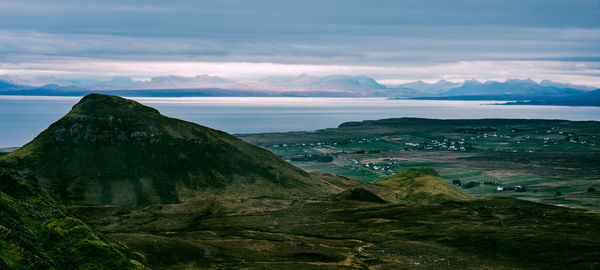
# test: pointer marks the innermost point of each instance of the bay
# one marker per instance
(22, 118)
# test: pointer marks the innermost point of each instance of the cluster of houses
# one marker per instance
(387, 166)
(450, 144)
(547, 140)
(445, 144)
(485, 135)
(318, 144)
(516, 150)
(300, 144)
(513, 188)
(570, 137)
(578, 141)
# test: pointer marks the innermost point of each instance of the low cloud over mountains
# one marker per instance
(303, 85)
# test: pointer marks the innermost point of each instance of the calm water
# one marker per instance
(22, 118)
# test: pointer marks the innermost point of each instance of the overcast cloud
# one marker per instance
(387, 40)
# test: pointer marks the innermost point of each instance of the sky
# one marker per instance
(390, 41)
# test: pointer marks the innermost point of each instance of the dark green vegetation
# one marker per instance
(491, 233)
(359, 194)
(164, 193)
(539, 156)
(38, 232)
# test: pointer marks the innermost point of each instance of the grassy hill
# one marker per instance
(110, 150)
(37, 232)
(422, 185)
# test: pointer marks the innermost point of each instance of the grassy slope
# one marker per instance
(109, 150)
(422, 185)
(37, 232)
(492, 233)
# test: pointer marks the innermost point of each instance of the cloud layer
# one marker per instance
(387, 40)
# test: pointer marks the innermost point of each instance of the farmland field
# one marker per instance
(549, 161)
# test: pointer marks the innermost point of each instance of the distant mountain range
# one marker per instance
(430, 88)
(332, 82)
(522, 92)
(203, 85)
(511, 87)
(6, 86)
(526, 90)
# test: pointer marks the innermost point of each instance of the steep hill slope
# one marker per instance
(37, 232)
(110, 150)
(422, 185)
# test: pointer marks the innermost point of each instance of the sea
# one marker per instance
(23, 117)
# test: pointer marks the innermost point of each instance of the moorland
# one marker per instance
(115, 184)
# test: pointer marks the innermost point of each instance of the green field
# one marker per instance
(555, 161)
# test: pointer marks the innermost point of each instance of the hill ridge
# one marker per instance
(110, 150)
